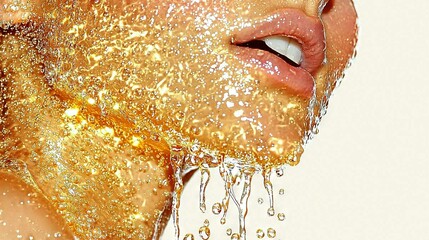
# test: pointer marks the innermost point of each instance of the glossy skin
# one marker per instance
(104, 88)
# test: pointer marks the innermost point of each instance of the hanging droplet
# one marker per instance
(271, 211)
(281, 216)
(177, 157)
(204, 232)
(271, 233)
(260, 233)
(269, 188)
(217, 208)
(205, 177)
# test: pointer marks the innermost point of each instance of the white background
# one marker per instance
(366, 174)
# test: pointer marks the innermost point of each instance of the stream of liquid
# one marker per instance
(237, 178)
(102, 96)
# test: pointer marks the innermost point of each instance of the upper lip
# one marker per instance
(293, 23)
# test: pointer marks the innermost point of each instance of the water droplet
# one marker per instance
(57, 235)
(279, 172)
(282, 191)
(223, 220)
(180, 115)
(217, 208)
(271, 211)
(229, 231)
(271, 233)
(260, 200)
(196, 130)
(260, 233)
(189, 236)
(204, 232)
(206, 222)
(281, 216)
(235, 236)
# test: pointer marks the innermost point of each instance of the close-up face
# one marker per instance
(236, 77)
(98, 97)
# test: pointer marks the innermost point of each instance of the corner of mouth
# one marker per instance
(287, 23)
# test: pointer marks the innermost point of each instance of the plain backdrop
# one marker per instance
(366, 174)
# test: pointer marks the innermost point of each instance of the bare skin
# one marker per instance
(87, 111)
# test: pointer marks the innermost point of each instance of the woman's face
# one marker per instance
(248, 79)
(191, 72)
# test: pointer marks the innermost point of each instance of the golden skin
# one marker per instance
(102, 89)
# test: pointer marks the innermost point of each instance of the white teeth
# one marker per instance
(286, 46)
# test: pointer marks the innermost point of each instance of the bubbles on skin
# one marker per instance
(148, 75)
(148, 89)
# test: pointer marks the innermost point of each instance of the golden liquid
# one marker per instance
(105, 104)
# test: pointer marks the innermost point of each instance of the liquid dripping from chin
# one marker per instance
(269, 188)
(205, 178)
(177, 159)
(245, 173)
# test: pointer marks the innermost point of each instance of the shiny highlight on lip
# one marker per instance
(308, 31)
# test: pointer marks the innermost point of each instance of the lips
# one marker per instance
(292, 23)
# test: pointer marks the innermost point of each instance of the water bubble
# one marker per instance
(271, 233)
(271, 211)
(217, 208)
(204, 232)
(281, 216)
(196, 130)
(260, 233)
(235, 236)
(260, 200)
(229, 231)
(189, 236)
(180, 115)
(281, 191)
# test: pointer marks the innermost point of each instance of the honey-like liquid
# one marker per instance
(106, 105)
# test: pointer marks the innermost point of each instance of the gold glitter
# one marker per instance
(98, 92)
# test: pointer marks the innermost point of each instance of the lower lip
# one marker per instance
(278, 73)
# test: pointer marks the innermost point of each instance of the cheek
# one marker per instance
(339, 19)
(170, 73)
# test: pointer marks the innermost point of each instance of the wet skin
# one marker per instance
(103, 89)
